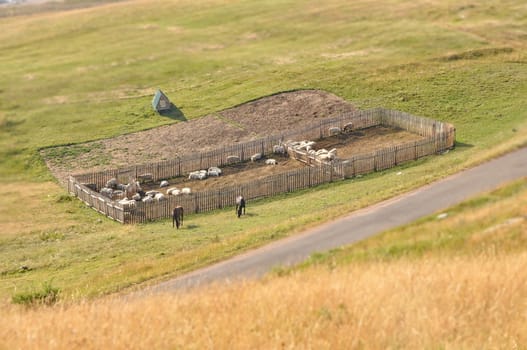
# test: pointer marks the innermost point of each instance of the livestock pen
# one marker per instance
(437, 137)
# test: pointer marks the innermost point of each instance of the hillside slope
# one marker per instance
(88, 74)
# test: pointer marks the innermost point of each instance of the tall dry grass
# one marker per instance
(463, 302)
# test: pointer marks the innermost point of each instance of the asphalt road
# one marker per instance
(359, 225)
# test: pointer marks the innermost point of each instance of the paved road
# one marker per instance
(360, 224)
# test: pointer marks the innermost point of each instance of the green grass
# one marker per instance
(81, 75)
(47, 295)
(491, 223)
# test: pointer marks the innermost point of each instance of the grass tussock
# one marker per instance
(469, 302)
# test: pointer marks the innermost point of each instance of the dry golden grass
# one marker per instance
(467, 302)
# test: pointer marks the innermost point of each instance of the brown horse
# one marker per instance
(240, 204)
(177, 216)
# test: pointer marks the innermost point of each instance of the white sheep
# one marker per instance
(160, 197)
(321, 151)
(214, 171)
(171, 190)
(256, 157)
(271, 161)
(198, 175)
(307, 145)
(152, 193)
(185, 190)
(278, 149)
(147, 199)
(326, 156)
(164, 183)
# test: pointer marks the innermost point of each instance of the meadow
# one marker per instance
(67, 77)
(444, 282)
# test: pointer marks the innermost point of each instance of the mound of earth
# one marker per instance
(252, 120)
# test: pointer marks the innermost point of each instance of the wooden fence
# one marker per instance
(439, 136)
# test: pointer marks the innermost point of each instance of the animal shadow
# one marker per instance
(192, 226)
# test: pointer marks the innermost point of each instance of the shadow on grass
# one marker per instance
(463, 145)
(191, 226)
(173, 113)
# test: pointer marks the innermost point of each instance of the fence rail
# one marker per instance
(438, 136)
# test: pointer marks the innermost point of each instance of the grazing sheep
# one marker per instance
(256, 157)
(112, 183)
(198, 175)
(278, 149)
(160, 197)
(271, 161)
(233, 159)
(151, 194)
(164, 183)
(334, 130)
(172, 189)
(147, 199)
(306, 145)
(185, 190)
(321, 151)
(214, 171)
(107, 192)
(326, 156)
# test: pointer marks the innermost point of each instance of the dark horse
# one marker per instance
(177, 216)
(240, 204)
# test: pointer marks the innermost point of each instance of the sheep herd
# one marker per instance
(307, 147)
(132, 192)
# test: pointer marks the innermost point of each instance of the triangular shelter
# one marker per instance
(161, 102)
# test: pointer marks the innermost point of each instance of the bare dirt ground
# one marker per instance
(255, 119)
(347, 145)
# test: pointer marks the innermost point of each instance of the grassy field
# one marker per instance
(85, 74)
(453, 282)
